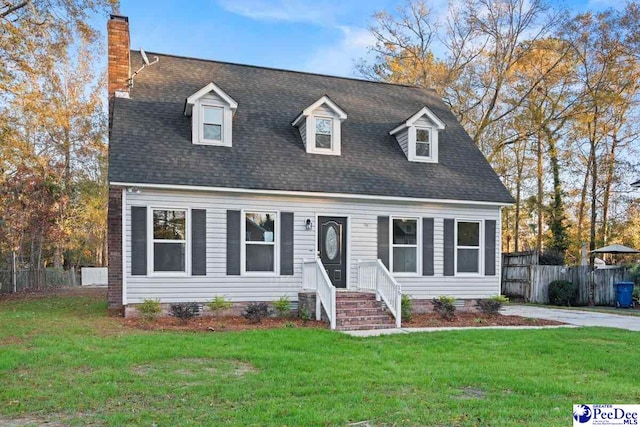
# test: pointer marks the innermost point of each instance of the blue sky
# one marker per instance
(322, 36)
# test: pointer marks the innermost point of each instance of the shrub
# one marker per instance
(184, 310)
(149, 309)
(283, 306)
(256, 311)
(491, 305)
(406, 308)
(551, 258)
(219, 304)
(562, 292)
(445, 307)
(304, 314)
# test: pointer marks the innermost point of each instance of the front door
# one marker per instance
(332, 244)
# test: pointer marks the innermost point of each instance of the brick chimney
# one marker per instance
(119, 68)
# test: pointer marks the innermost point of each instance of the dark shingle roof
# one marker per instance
(150, 140)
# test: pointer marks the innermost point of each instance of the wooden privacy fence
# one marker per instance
(531, 282)
(37, 279)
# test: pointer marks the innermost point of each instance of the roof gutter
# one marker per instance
(308, 194)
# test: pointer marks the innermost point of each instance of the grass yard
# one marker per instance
(63, 361)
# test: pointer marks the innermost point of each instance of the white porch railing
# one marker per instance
(315, 277)
(373, 275)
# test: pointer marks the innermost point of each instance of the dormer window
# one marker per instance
(418, 136)
(324, 128)
(423, 143)
(211, 111)
(212, 123)
(320, 127)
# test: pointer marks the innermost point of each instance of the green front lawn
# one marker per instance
(62, 359)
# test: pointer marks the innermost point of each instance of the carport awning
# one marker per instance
(616, 249)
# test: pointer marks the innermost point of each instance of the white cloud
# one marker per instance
(338, 58)
(319, 13)
(604, 4)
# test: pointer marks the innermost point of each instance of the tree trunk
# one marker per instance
(559, 238)
(607, 188)
(583, 201)
(540, 194)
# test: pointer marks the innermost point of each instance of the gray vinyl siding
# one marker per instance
(403, 140)
(362, 239)
(303, 132)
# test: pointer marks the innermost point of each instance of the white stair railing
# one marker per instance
(315, 277)
(373, 275)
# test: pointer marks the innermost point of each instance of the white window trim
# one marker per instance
(335, 149)
(430, 132)
(480, 247)
(433, 142)
(187, 241)
(204, 140)
(198, 121)
(243, 246)
(418, 246)
(315, 133)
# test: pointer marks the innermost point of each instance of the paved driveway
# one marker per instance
(576, 317)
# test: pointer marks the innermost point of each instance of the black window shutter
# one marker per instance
(286, 243)
(233, 243)
(449, 247)
(427, 246)
(383, 240)
(198, 242)
(139, 241)
(490, 248)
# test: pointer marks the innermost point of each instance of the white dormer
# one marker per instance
(211, 111)
(319, 126)
(418, 136)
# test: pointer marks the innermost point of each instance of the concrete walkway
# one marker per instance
(378, 332)
(575, 317)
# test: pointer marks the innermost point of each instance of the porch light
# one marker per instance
(308, 224)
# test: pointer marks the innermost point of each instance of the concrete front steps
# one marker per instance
(360, 311)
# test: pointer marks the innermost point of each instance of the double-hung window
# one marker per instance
(324, 130)
(423, 143)
(260, 241)
(468, 247)
(169, 240)
(212, 118)
(404, 245)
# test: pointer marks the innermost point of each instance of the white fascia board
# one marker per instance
(211, 87)
(424, 111)
(325, 100)
(398, 129)
(307, 194)
(310, 109)
(298, 119)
